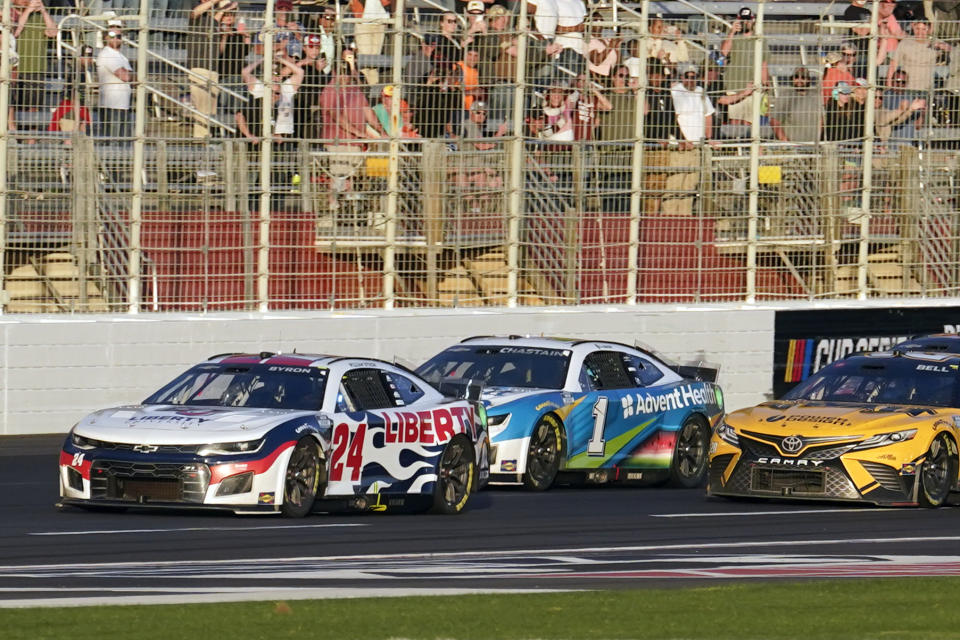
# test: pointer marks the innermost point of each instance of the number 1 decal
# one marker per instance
(352, 447)
(596, 446)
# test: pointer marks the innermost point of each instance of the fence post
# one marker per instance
(754, 193)
(266, 155)
(4, 145)
(517, 166)
(136, 200)
(393, 166)
(636, 166)
(868, 139)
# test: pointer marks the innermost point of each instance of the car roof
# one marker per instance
(926, 356)
(294, 359)
(549, 342)
(938, 342)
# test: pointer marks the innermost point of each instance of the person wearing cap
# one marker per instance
(34, 28)
(917, 55)
(496, 45)
(796, 113)
(206, 44)
(477, 167)
(694, 109)
(837, 70)
(316, 74)
(889, 29)
(115, 77)
(384, 112)
(738, 49)
(843, 116)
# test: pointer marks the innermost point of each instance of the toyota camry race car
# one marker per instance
(279, 433)
(879, 428)
(602, 410)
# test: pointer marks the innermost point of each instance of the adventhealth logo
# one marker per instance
(679, 398)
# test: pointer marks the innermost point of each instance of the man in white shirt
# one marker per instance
(694, 109)
(115, 76)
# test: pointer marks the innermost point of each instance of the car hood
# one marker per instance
(498, 396)
(175, 424)
(830, 419)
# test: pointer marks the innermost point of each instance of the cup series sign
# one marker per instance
(807, 341)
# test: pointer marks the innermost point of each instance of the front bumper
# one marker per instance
(734, 475)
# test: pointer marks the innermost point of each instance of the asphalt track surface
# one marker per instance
(508, 539)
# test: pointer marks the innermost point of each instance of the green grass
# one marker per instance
(914, 608)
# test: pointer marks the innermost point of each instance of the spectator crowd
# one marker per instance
(328, 82)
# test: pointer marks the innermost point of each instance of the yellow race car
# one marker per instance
(879, 427)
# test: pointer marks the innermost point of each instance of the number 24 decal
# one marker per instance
(596, 446)
(347, 452)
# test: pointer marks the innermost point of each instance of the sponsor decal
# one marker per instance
(936, 368)
(427, 427)
(545, 405)
(266, 497)
(510, 466)
(186, 420)
(843, 422)
(534, 351)
(289, 369)
(956, 421)
(790, 462)
(647, 403)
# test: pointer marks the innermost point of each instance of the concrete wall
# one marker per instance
(55, 369)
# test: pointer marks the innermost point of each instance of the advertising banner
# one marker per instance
(807, 341)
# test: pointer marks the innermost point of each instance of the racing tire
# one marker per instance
(302, 479)
(688, 469)
(456, 475)
(938, 475)
(544, 453)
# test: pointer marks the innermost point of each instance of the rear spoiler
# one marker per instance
(703, 371)
(461, 388)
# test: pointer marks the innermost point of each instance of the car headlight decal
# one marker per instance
(727, 433)
(230, 448)
(82, 442)
(884, 439)
(497, 424)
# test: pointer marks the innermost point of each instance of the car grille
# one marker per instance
(160, 448)
(888, 477)
(791, 480)
(757, 449)
(148, 481)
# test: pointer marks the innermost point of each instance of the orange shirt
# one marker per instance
(471, 80)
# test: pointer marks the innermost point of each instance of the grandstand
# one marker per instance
(413, 156)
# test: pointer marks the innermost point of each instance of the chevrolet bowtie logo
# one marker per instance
(146, 448)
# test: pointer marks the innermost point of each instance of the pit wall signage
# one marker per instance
(807, 341)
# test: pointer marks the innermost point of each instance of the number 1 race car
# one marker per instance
(599, 410)
(879, 428)
(279, 433)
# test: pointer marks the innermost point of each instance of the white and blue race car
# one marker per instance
(601, 410)
(281, 433)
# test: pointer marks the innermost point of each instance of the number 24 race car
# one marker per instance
(281, 433)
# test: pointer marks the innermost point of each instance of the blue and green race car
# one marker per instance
(602, 411)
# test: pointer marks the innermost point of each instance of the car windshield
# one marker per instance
(262, 386)
(500, 366)
(882, 381)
